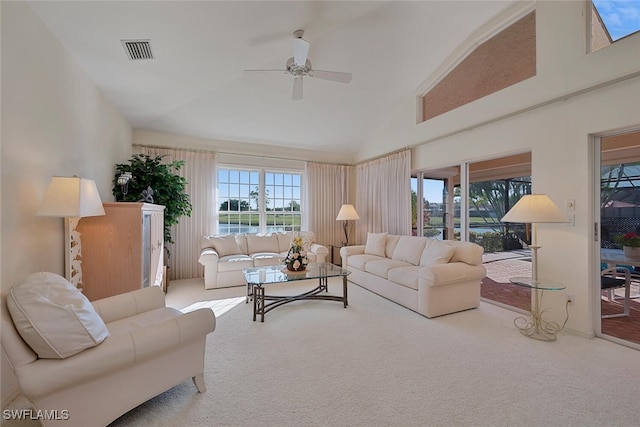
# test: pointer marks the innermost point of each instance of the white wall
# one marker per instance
(557, 133)
(54, 122)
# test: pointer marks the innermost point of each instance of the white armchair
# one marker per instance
(150, 348)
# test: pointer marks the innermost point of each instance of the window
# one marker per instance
(613, 20)
(259, 201)
(282, 201)
(619, 201)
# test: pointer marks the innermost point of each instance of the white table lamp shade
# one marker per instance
(535, 208)
(347, 213)
(71, 197)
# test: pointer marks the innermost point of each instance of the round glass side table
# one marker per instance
(535, 326)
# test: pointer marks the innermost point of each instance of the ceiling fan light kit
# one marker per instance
(299, 66)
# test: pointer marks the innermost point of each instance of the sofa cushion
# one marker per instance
(225, 245)
(436, 252)
(261, 259)
(409, 249)
(381, 267)
(405, 276)
(234, 262)
(376, 243)
(256, 243)
(392, 242)
(141, 320)
(467, 252)
(54, 317)
(241, 239)
(359, 261)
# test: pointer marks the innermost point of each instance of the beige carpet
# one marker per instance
(314, 363)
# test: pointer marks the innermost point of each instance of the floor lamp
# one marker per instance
(347, 213)
(71, 198)
(534, 209)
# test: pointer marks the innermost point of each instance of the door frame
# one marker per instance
(596, 185)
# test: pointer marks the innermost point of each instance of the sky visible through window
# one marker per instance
(621, 17)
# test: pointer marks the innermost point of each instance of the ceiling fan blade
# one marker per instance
(335, 76)
(297, 89)
(268, 70)
(300, 51)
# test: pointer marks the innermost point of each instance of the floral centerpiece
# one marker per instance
(630, 244)
(297, 259)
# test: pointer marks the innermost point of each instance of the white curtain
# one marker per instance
(199, 171)
(383, 196)
(326, 190)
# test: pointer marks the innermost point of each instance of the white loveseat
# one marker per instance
(431, 277)
(224, 257)
(85, 364)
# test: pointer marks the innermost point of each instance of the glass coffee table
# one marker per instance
(258, 278)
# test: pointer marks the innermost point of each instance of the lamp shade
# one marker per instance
(535, 208)
(347, 212)
(71, 196)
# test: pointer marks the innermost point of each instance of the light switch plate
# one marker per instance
(571, 218)
(570, 205)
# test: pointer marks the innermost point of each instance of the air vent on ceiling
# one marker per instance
(137, 49)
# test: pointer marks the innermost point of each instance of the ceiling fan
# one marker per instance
(299, 66)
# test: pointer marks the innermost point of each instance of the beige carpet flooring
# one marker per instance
(314, 363)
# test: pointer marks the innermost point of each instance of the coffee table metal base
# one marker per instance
(261, 306)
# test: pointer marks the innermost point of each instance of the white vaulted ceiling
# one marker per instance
(196, 86)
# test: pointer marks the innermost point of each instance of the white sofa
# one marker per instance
(224, 257)
(147, 349)
(431, 277)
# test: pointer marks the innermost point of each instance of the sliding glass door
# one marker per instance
(435, 204)
(467, 202)
(618, 214)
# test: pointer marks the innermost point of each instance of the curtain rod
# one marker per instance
(382, 156)
(193, 150)
(237, 154)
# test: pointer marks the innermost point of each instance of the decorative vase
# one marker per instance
(290, 267)
(631, 252)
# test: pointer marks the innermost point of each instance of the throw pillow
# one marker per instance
(260, 243)
(53, 317)
(376, 243)
(226, 245)
(409, 249)
(436, 252)
(284, 241)
(392, 242)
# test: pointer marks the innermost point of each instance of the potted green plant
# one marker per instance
(144, 172)
(630, 244)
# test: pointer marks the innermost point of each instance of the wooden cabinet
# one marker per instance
(122, 250)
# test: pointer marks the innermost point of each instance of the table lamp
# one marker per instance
(347, 213)
(71, 198)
